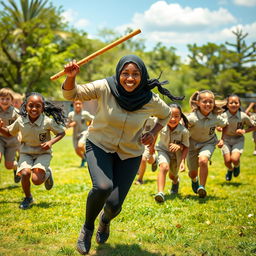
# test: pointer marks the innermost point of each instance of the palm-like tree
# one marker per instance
(29, 10)
(17, 28)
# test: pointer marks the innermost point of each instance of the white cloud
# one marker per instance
(245, 2)
(162, 16)
(71, 16)
(184, 38)
(82, 23)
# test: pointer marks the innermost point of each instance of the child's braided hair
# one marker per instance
(49, 109)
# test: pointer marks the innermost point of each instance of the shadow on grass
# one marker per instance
(194, 197)
(234, 184)
(9, 187)
(123, 250)
(49, 204)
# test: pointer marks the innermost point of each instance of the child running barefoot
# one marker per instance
(232, 142)
(35, 152)
(202, 123)
(172, 150)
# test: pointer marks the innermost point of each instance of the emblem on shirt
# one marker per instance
(239, 125)
(42, 136)
(211, 131)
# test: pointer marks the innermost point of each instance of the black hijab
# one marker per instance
(136, 99)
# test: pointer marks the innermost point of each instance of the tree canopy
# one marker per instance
(35, 44)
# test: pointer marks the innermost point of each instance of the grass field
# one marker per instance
(221, 224)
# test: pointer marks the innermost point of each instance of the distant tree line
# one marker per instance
(35, 43)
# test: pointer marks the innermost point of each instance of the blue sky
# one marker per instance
(174, 23)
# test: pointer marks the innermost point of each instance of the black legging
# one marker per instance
(111, 180)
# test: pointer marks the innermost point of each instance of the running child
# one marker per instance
(79, 119)
(35, 152)
(172, 150)
(253, 117)
(17, 100)
(148, 155)
(232, 141)
(8, 145)
(202, 120)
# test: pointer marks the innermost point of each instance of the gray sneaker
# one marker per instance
(201, 191)
(49, 179)
(159, 197)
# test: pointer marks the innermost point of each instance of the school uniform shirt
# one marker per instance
(115, 129)
(33, 134)
(8, 116)
(180, 135)
(81, 120)
(236, 121)
(202, 128)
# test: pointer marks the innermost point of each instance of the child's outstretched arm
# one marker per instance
(4, 130)
(47, 145)
(243, 131)
(249, 107)
(221, 141)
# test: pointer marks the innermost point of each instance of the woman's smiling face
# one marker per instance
(130, 77)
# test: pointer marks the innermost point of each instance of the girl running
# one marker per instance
(35, 152)
(172, 150)
(202, 123)
(232, 142)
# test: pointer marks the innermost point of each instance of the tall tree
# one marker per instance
(242, 53)
(26, 42)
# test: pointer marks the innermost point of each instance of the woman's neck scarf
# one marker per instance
(136, 99)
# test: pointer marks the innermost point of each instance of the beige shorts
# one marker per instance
(8, 148)
(170, 159)
(34, 161)
(194, 154)
(146, 153)
(233, 144)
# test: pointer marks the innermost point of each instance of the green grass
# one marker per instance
(221, 224)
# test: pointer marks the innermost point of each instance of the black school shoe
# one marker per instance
(26, 203)
(84, 241)
(236, 171)
(103, 230)
(48, 184)
(229, 175)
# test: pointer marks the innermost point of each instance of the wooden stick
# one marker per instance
(99, 52)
